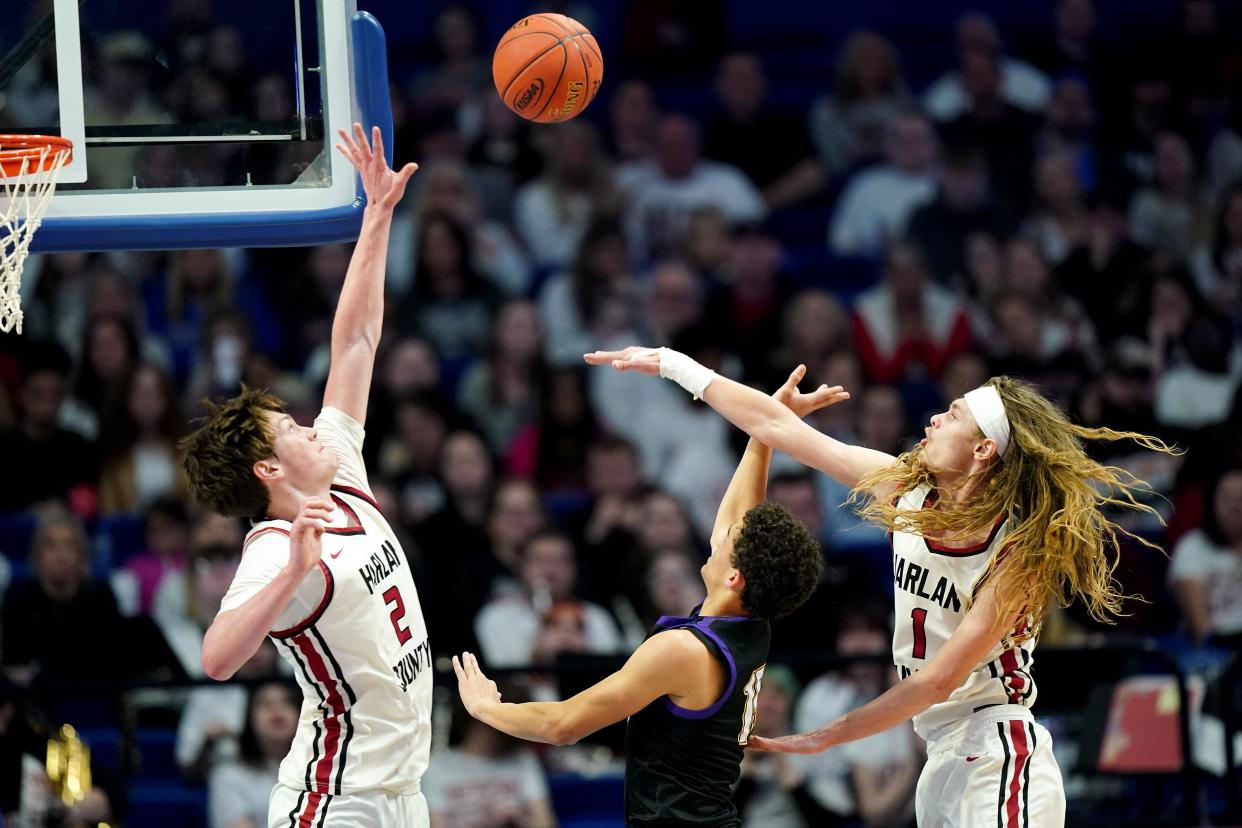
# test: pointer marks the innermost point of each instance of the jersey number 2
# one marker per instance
(919, 616)
(392, 595)
(751, 711)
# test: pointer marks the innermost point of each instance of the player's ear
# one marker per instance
(735, 580)
(268, 469)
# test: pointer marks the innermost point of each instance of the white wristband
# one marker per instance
(684, 371)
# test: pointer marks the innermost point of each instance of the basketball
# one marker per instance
(547, 68)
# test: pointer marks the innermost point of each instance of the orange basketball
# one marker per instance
(547, 68)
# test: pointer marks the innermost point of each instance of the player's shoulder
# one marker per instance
(674, 646)
(266, 532)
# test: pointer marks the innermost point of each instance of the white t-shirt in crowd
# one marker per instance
(874, 209)
(466, 791)
(508, 628)
(237, 791)
(1219, 569)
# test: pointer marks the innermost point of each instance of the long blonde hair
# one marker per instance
(1061, 544)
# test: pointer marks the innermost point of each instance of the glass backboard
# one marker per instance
(194, 122)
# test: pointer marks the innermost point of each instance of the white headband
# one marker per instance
(989, 412)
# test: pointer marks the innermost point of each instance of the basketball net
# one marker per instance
(29, 184)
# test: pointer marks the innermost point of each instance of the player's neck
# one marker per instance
(953, 488)
(726, 603)
(285, 501)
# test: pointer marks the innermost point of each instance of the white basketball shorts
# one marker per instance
(995, 769)
(290, 808)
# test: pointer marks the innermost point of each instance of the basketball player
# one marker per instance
(994, 515)
(690, 689)
(321, 572)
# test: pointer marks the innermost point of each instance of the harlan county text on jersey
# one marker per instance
(913, 578)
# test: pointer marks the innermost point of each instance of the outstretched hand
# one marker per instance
(383, 185)
(475, 688)
(634, 358)
(803, 404)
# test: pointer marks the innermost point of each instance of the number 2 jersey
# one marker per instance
(354, 635)
(681, 765)
(933, 586)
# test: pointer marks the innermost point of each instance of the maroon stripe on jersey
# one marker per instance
(928, 500)
(348, 718)
(307, 818)
(1021, 754)
(329, 588)
(356, 529)
(1013, 682)
(259, 533)
(331, 719)
(358, 493)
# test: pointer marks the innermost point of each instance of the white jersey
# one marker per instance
(933, 586)
(355, 636)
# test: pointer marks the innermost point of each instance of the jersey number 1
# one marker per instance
(751, 711)
(392, 595)
(919, 616)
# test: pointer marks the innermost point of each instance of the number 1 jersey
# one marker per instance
(933, 585)
(354, 635)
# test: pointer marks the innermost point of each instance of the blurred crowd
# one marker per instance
(1054, 202)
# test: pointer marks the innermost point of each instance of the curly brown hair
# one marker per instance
(780, 560)
(220, 455)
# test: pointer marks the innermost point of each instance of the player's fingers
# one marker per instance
(377, 144)
(346, 140)
(601, 357)
(363, 147)
(795, 377)
(461, 674)
(407, 171)
(474, 664)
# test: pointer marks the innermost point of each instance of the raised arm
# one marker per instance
(665, 665)
(360, 310)
(235, 635)
(749, 485)
(760, 416)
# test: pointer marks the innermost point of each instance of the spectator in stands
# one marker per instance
(744, 317)
(502, 153)
(872, 780)
(592, 302)
(186, 602)
(141, 459)
(908, 326)
(166, 544)
(1058, 222)
(770, 145)
(1070, 129)
(485, 778)
(664, 524)
(964, 204)
(664, 192)
(450, 304)
(706, 250)
(515, 514)
(633, 117)
(878, 201)
(459, 74)
(409, 454)
(225, 347)
(1027, 272)
(677, 39)
(673, 587)
(1220, 276)
(675, 299)
(1206, 572)
(1224, 151)
(239, 791)
(815, 325)
(882, 421)
(545, 618)
(448, 187)
(1197, 389)
(1029, 342)
(1109, 275)
(1018, 84)
(501, 392)
(1004, 131)
(454, 541)
(553, 450)
(553, 212)
(603, 529)
(109, 349)
(60, 604)
(849, 125)
(1075, 45)
(1172, 216)
(39, 438)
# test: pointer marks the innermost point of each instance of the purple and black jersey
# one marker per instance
(682, 765)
